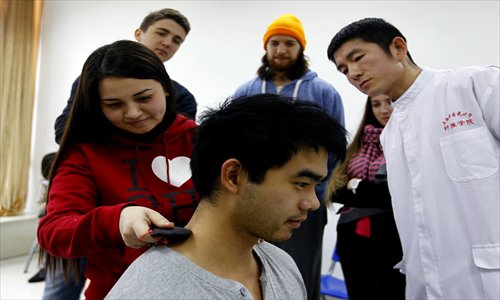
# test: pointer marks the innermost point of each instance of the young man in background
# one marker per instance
(285, 71)
(163, 32)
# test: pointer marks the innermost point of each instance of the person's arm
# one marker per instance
(185, 103)
(249, 88)
(368, 194)
(61, 120)
(338, 108)
(77, 225)
(240, 92)
(330, 100)
(74, 225)
(487, 84)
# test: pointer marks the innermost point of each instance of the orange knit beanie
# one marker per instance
(286, 24)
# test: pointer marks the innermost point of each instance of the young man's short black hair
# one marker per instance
(166, 13)
(370, 30)
(262, 132)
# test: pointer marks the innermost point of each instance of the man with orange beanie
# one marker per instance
(285, 71)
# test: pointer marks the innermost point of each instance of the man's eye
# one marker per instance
(302, 184)
(357, 58)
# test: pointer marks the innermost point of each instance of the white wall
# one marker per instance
(225, 46)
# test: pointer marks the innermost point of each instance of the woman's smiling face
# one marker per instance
(133, 105)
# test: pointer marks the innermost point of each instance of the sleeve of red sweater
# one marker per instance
(75, 224)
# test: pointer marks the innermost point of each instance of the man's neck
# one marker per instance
(280, 79)
(406, 81)
(216, 247)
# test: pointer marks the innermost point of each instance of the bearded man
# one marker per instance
(285, 71)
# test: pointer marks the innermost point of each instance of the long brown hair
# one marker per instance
(86, 121)
(339, 177)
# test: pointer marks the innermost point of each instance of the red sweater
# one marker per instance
(96, 181)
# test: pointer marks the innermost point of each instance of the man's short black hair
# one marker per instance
(262, 132)
(370, 30)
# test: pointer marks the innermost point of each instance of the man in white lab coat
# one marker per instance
(442, 149)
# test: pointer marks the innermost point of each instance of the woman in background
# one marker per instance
(367, 239)
(122, 166)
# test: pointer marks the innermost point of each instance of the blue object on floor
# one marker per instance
(331, 285)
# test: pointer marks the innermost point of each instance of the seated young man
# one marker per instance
(256, 163)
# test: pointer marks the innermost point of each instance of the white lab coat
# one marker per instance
(442, 150)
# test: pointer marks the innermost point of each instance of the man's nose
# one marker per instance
(281, 48)
(167, 41)
(311, 203)
(355, 73)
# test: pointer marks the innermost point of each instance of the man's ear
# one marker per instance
(231, 175)
(399, 48)
(138, 34)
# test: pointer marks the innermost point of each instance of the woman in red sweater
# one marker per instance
(122, 166)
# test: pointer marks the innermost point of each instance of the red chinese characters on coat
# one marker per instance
(457, 119)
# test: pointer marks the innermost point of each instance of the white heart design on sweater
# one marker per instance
(179, 168)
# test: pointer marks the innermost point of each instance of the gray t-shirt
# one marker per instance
(162, 273)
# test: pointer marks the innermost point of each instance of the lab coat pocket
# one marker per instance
(469, 154)
(487, 259)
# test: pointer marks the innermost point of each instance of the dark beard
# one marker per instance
(282, 68)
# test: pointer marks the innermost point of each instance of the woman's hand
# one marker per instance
(135, 225)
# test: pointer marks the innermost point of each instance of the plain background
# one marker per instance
(224, 49)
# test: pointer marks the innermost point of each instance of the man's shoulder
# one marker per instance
(463, 78)
(318, 84)
(321, 83)
(281, 270)
(179, 88)
(480, 72)
(467, 71)
(248, 88)
(251, 82)
(157, 255)
(275, 255)
(77, 80)
(146, 276)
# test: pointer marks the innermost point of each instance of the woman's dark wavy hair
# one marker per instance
(127, 59)
(299, 69)
(262, 132)
(86, 121)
